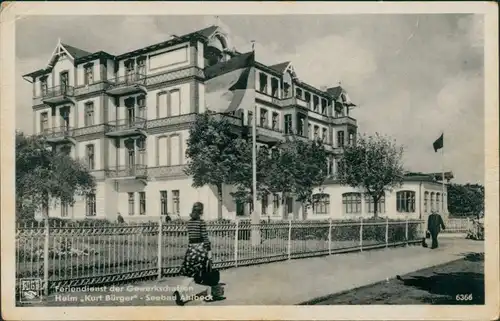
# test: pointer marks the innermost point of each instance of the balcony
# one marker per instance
(267, 134)
(126, 85)
(59, 95)
(345, 120)
(126, 127)
(173, 171)
(137, 171)
(59, 135)
(296, 135)
(294, 101)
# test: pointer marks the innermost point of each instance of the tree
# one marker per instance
(293, 168)
(214, 153)
(45, 176)
(373, 164)
(466, 199)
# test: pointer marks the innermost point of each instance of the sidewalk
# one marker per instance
(298, 281)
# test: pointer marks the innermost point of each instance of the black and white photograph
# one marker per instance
(226, 157)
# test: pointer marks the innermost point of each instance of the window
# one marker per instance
(176, 200)
(45, 206)
(433, 200)
(289, 205)
(44, 122)
(265, 203)
(43, 86)
(263, 117)
(90, 208)
(309, 131)
(263, 82)
(275, 124)
(89, 114)
(426, 202)
(142, 203)
(340, 139)
(90, 157)
(323, 106)
(163, 203)
(286, 90)
(274, 87)
(405, 201)
(438, 200)
(276, 204)
(351, 138)
(141, 104)
(324, 134)
(370, 206)
(321, 203)
(307, 96)
(64, 209)
(249, 118)
(89, 75)
(352, 203)
(141, 66)
(131, 204)
(301, 127)
(298, 93)
(288, 124)
(316, 132)
(316, 103)
(141, 151)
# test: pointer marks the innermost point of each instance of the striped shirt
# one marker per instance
(197, 232)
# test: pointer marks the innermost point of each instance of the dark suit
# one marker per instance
(434, 225)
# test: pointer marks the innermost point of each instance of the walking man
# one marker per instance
(434, 225)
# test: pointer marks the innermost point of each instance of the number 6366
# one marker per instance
(463, 297)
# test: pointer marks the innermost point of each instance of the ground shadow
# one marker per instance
(474, 257)
(448, 286)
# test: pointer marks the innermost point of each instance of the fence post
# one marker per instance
(160, 243)
(361, 234)
(46, 257)
(289, 238)
(387, 231)
(330, 237)
(236, 244)
(406, 232)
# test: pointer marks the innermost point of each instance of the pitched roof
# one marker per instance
(281, 67)
(75, 52)
(335, 91)
(205, 32)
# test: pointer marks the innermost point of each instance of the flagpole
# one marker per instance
(255, 213)
(442, 177)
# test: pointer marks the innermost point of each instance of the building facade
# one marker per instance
(127, 117)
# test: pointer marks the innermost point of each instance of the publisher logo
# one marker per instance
(30, 290)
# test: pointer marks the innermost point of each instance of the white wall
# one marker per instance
(63, 64)
(169, 101)
(80, 72)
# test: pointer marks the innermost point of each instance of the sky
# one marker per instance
(412, 76)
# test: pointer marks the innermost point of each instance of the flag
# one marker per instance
(230, 85)
(438, 144)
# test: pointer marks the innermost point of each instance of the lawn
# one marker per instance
(459, 282)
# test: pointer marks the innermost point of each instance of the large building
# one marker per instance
(127, 117)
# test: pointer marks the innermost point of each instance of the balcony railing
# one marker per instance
(127, 171)
(124, 126)
(58, 91)
(58, 94)
(167, 171)
(344, 120)
(58, 133)
(126, 84)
